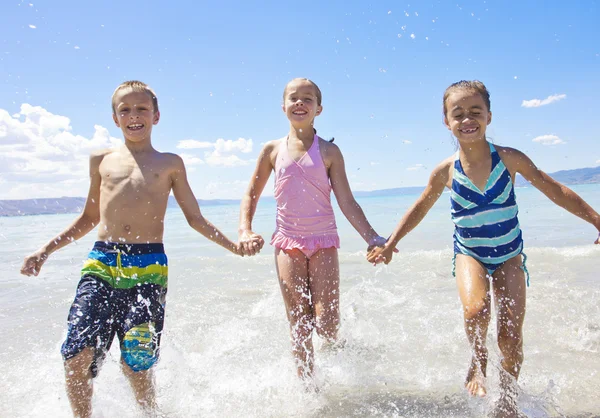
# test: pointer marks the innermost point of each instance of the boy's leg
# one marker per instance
(292, 270)
(139, 334)
(510, 301)
(88, 338)
(474, 291)
(324, 274)
(142, 384)
(78, 376)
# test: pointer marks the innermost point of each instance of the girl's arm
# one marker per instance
(84, 223)
(413, 216)
(250, 242)
(343, 194)
(555, 191)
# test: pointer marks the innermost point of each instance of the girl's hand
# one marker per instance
(250, 243)
(378, 241)
(33, 263)
(381, 254)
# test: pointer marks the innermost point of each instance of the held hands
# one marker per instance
(597, 239)
(33, 263)
(378, 251)
(249, 243)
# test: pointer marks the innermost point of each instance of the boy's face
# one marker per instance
(300, 102)
(134, 114)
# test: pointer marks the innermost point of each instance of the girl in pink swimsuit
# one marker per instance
(306, 169)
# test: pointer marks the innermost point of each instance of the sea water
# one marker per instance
(226, 348)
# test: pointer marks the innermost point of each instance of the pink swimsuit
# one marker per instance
(305, 218)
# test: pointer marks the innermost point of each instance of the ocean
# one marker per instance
(226, 350)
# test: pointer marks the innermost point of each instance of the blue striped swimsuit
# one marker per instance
(486, 223)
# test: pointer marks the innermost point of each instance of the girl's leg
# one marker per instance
(324, 274)
(292, 270)
(509, 297)
(474, 291)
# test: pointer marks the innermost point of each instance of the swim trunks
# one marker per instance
(305, 217)
(122, 291)
(486, 223)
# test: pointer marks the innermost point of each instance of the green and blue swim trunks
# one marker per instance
(122, 292)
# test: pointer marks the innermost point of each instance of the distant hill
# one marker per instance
(75, 204)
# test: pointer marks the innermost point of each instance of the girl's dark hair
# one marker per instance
(331, 140)
(474, 85)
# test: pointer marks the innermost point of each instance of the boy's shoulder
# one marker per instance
(97, 156)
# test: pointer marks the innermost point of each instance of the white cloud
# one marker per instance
(548, 140)
(214, 159)
(190, 159)
(193, 144)
(537, 102)
(223, 153)
(406, 141)
(415, 167)
(221, 145)
(598, 162)
(40, 156)
(241, 145)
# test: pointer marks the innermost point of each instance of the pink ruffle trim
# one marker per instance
(307, 243)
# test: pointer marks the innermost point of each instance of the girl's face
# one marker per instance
(300, 103)
(467, 115)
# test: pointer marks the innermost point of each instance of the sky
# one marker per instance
(219, 70)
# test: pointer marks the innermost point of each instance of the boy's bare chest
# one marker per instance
(137, 176)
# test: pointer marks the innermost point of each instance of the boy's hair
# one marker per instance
(317, 89)
(474, 85)
(136, 86)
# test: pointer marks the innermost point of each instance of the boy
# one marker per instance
(124, 281)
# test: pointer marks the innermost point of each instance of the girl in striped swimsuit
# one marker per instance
(488, 245)
(307, 169)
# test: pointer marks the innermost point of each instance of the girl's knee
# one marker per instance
(478, 309)
(510, 344)
(302, 326)
(327, 327)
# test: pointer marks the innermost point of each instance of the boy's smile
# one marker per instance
(134, 114)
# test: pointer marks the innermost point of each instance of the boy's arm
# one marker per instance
(251, 242)
(84, 223)
(189, 205)
(415, 214)
(343, 194)
(555, 191)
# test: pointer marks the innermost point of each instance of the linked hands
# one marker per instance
(33, 263)
(597, 239)
(379, 251)
(249, 243)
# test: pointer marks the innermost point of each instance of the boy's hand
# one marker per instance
(33, 263)
(381, 254)
(378, 242)
(250, 243)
